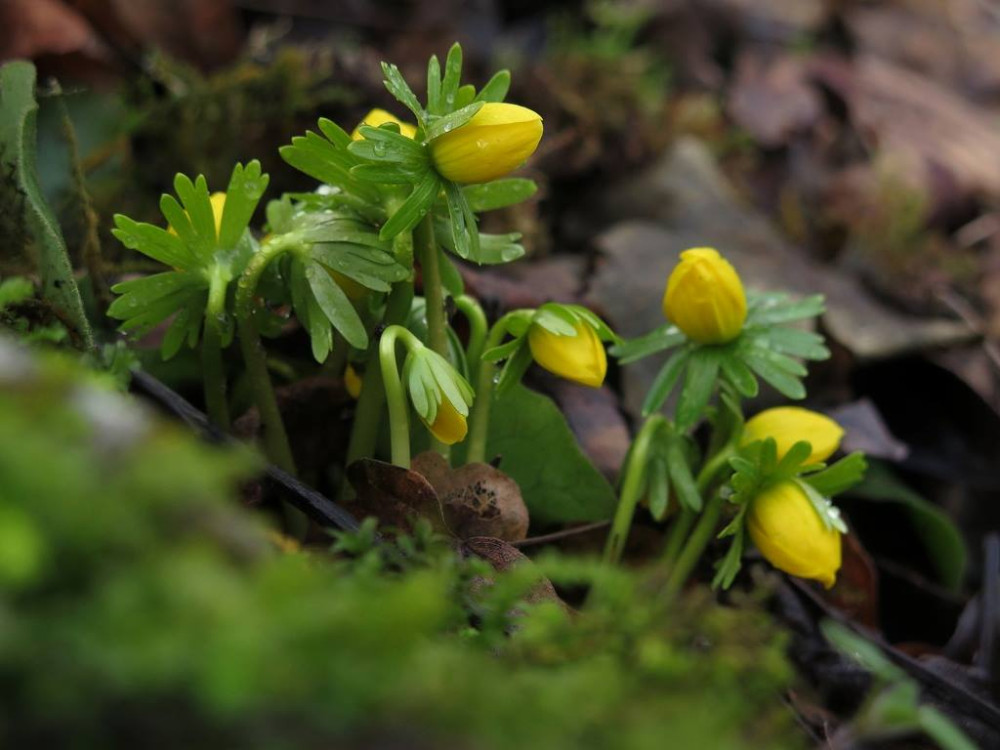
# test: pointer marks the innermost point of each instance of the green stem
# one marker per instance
(427, 253)
(681, 567)
(477, 332)
(367, 415)
(679, 531)
(631, 491)
(425, 248)
(479, 419)
(276, 444)
(399, 421)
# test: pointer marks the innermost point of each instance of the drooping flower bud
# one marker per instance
(495, 142)
(705, 297)
(378, 117)
(790, 424)
(448, 426)
(580, 358)
(788, 531)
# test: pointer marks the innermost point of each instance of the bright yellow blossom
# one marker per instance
(449, 426)
(378, 117)
(580, 358)
(705, 297)
(790, 424)
(495, 142)
(788, 531)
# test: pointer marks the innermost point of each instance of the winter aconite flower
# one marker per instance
(495, 142)
(378, 117)
(790, 424)
(449, 426)
(705, 297)
(788, 531)
(579, 358)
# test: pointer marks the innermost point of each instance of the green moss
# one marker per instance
(139, 605)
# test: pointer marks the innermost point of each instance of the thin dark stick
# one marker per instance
(555, 536)
(317, 506)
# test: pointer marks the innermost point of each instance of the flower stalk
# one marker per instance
(633, 482)
(275, 438)
(213, 372)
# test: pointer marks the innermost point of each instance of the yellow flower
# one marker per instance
(352, 382)
(790, 534)
(705, 298)
(579, 358)
(449, 426)
(218, 201)
(378, 117)
(496, 141)
(790, 424)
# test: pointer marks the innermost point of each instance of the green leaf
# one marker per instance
(496, 88)
(843, 475)
(558, 483)
(493, 248)
(514, 368)
(325, 161)
(414, 208)
(466, 95)
(14, 291)
(138, 292)
(676, 457)
(729, 566)
(769, 309)
(336, 306)
(434, 86)
(18, 144)
(452, 78)
(829, 515)
(699, 383)
(503, 351)
(464, 231)
(658, 487)
(664, 382)
(795, 342)
(308, 312)
(451, 278)
(389, 174)
(943, 730)
(501, 193)
(666, 336)
(386, 145)
(198, 206)
(941, 538)
(374, 269)
(334, 133)
(772, 372)
(397, 86)
(739, 375)
(454, 121)
(153, 242)
(246, 186)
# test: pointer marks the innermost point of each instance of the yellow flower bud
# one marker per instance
(790, 424)
(495, 142)
(352, 382)
(788, 531)
(580, 358)
(378, 117)
(449, 426)
(218, 201)
(705, 298)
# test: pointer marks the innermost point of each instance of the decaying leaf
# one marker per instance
(476, 499)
